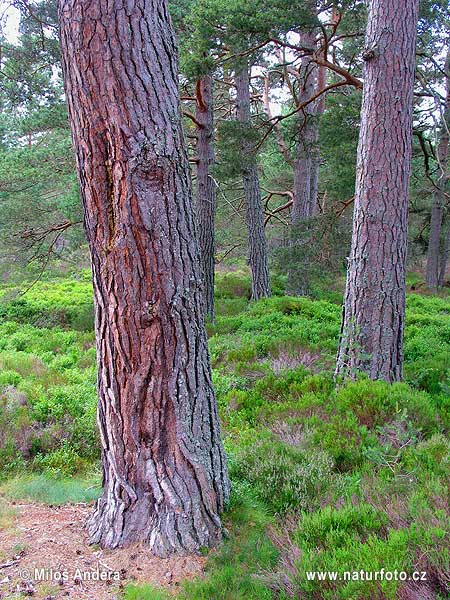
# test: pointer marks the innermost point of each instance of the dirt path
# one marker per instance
(40, 545)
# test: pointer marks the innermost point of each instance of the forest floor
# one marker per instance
(53, 540)
(325, 478)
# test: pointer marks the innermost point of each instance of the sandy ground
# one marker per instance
(53, 541)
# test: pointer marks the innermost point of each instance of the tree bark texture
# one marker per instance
(437, 209)
(302, 205)
(444, 256)
(374, 301)
(164, 473)
(206, 189)
(257, 245)
(319, 109)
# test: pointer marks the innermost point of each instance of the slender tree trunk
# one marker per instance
(374, 302)
(304, 173)
(434, 241)
(164, 473)
(437, 210)
(444, 257)
(307, 138)
(319, 109)
(257, 246)
(206, 190)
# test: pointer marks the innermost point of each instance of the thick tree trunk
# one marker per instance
(374, 302)
(164, 474)
(257, 246)
(437, 210)
(206, 189)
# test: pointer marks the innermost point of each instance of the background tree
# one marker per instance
(206, 188)
(374, 302)
(40, 214)
(257, 247)
(196, 66)
(439, 195)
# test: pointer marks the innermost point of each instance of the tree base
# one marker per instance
(114, 525)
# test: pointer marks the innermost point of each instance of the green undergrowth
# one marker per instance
(324, 478)
(51, 490)
(64, 302)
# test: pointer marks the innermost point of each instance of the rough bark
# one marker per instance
(437, 209)
(319, 109)
(444, 257)
(307, 137)
(206, 189)
(164, 474)
(374, 302)
(257, 245)
(304, 165)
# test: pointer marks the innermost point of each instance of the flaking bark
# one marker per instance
(164, 473)
(374, 302)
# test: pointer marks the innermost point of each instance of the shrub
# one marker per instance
(62, 462)
(51, 304)
(342, 438)
(354, 553)
(329, 527)
(9, 377)
(431, 457)
(375, 402)
(284, 477)
(233, 284)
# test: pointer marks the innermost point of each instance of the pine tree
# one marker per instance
(374, 301)
(165, 480)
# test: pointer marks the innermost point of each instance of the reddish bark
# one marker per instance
(374, 302)
(164, 474)
(206, 189)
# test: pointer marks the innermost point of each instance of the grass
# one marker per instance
(47, 490)
(7, 514)
(323, 478)
(145, 592)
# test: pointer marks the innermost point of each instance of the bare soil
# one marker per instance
(54, 541)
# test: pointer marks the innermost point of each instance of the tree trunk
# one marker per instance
(444, 258)
(257, 246)
(304, 173)
(374, 302)
(164, 474)
(434, 241)
(307, 138)
(437, 210)
(319, 109)
(206, 190)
